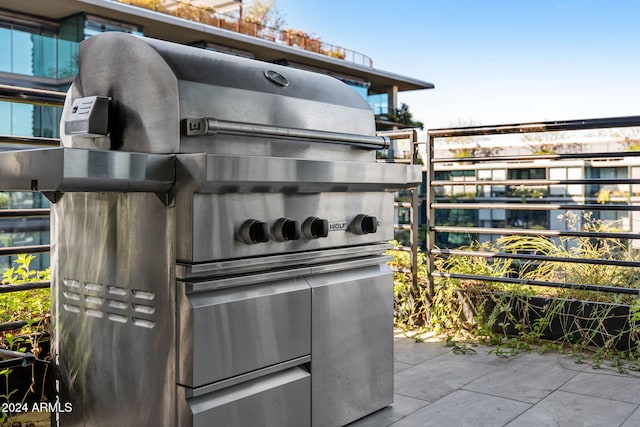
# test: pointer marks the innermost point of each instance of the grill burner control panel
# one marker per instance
(234, 225)
(254, 231)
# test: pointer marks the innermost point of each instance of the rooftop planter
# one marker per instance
(500, 300)
(252, 26)
(24, 324)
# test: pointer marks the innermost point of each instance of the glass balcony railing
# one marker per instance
(37, 55)
(295, 38)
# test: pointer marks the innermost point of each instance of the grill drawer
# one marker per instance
(227, 332)
(282, 399)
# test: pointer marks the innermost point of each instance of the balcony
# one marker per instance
(212, 16)
(514, 382)
(440, 385)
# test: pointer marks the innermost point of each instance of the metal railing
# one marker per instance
(294, 38)
(486, 199)
(435, 202)
(410, 135)
(34, 97)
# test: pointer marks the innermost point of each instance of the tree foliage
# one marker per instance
(267, 12)
(550, 143)
(469, 146)
(404, 116)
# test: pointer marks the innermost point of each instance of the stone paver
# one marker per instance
(565, 409)
(435, 387)
(633, 420)
(435, 378)
(528, 379)
(614, 387)
(400, 366)
(465, 408)
(402, 406)
(410, 352)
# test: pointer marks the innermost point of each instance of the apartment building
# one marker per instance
(39, 45)
(536, 170)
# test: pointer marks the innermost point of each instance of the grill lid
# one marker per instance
(154, 86)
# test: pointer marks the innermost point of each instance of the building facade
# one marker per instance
(39, 40)
(583, 167)
(39, 45)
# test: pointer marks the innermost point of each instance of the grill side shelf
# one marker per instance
(62, 169)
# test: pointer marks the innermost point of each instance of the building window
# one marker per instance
(29, 53)
(94, 25)
(527, 191)
(379, 103)
(24, 231)
(361, 88)
(606, 191)
(528, 219)
(214, 47)
(456, 190)
(613, 220)
(529, 173)
(404, 216)
(29, 120)
(490, 190)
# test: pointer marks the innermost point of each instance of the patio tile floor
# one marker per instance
(435, 387)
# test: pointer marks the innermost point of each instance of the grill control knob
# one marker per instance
(364, 224)
(286, 229)
(314, 228)
(254, 231)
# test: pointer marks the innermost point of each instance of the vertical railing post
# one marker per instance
(413, 205)
(430, 213)
(414, 216)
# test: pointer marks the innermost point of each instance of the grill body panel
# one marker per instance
(218, 236)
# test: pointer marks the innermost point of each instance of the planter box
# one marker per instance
(41, 373)
(599, 324)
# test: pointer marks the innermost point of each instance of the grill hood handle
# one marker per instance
(211, 126)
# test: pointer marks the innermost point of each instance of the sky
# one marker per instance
(492, 61)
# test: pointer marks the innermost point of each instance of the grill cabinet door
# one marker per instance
(231, 331)
(352, 349)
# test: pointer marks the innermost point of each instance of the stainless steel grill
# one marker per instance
(218, 238)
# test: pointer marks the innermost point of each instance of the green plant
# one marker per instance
(22, 272)
(550, 143)
(603, 196)
(409, 303)
(31, 306)
(337, 53)
(462, 153)
(513, 317)
(404, 116)
(5, 201)
(632, 144)
(635, 311)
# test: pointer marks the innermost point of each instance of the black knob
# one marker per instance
(364, 224)
(254, 231)
(314, 228)
(286, 229)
